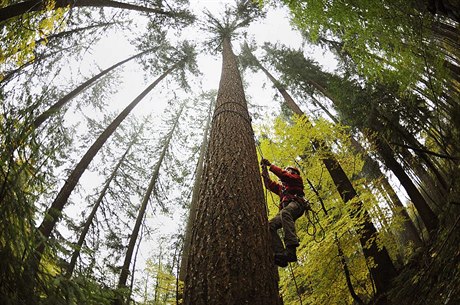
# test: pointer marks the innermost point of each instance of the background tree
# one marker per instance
(313, 79)
(383, 269)
(141, 214)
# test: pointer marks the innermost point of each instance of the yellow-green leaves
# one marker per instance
(20, 35)
(319, 272)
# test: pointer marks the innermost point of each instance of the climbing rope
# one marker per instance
(318, 234)
(295, 283)
(266, 191)
(314, 227)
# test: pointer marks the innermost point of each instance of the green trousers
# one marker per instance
(285, 219)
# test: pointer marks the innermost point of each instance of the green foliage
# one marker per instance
(378, 106)
(24, 161)
(163, 280)
(80, 290)
(165, 55)
(20, 35)
(385, 39)
(387, 43)
(231, 24)
(319, 273)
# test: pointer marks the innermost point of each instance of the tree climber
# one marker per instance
(292, 206)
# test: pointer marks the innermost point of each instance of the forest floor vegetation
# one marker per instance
(432, 276)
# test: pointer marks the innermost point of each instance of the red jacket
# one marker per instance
(290, 186)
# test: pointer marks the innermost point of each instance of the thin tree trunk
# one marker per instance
(69, 96)
(230, 260)
(10, 74)
(157, 282)
(410, 232)
(427, 215)
(71, 266)
(372, 169)
(74, 31)
(21, 8)
(141, 214)
(63, 34)
(384, 271)
(131, 285)
(346, 271)
(194, 201)
(54, 212)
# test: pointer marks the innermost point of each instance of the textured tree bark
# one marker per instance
(194, 201)
(230, 260)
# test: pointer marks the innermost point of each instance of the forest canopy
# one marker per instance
(132, 135)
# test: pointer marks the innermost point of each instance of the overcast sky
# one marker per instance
(115, 47)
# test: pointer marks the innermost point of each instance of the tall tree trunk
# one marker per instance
(194, 201)
(384, 271)
(54, 212)
(21, 8)
(372, 169)
(446, 8)
(69, 96)
(133, 270)
(230, 260)
(141, 214)
(447, 32)
(412, 141)
(409, 232)
(427, 215)
(73, 260)
(425, 182)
